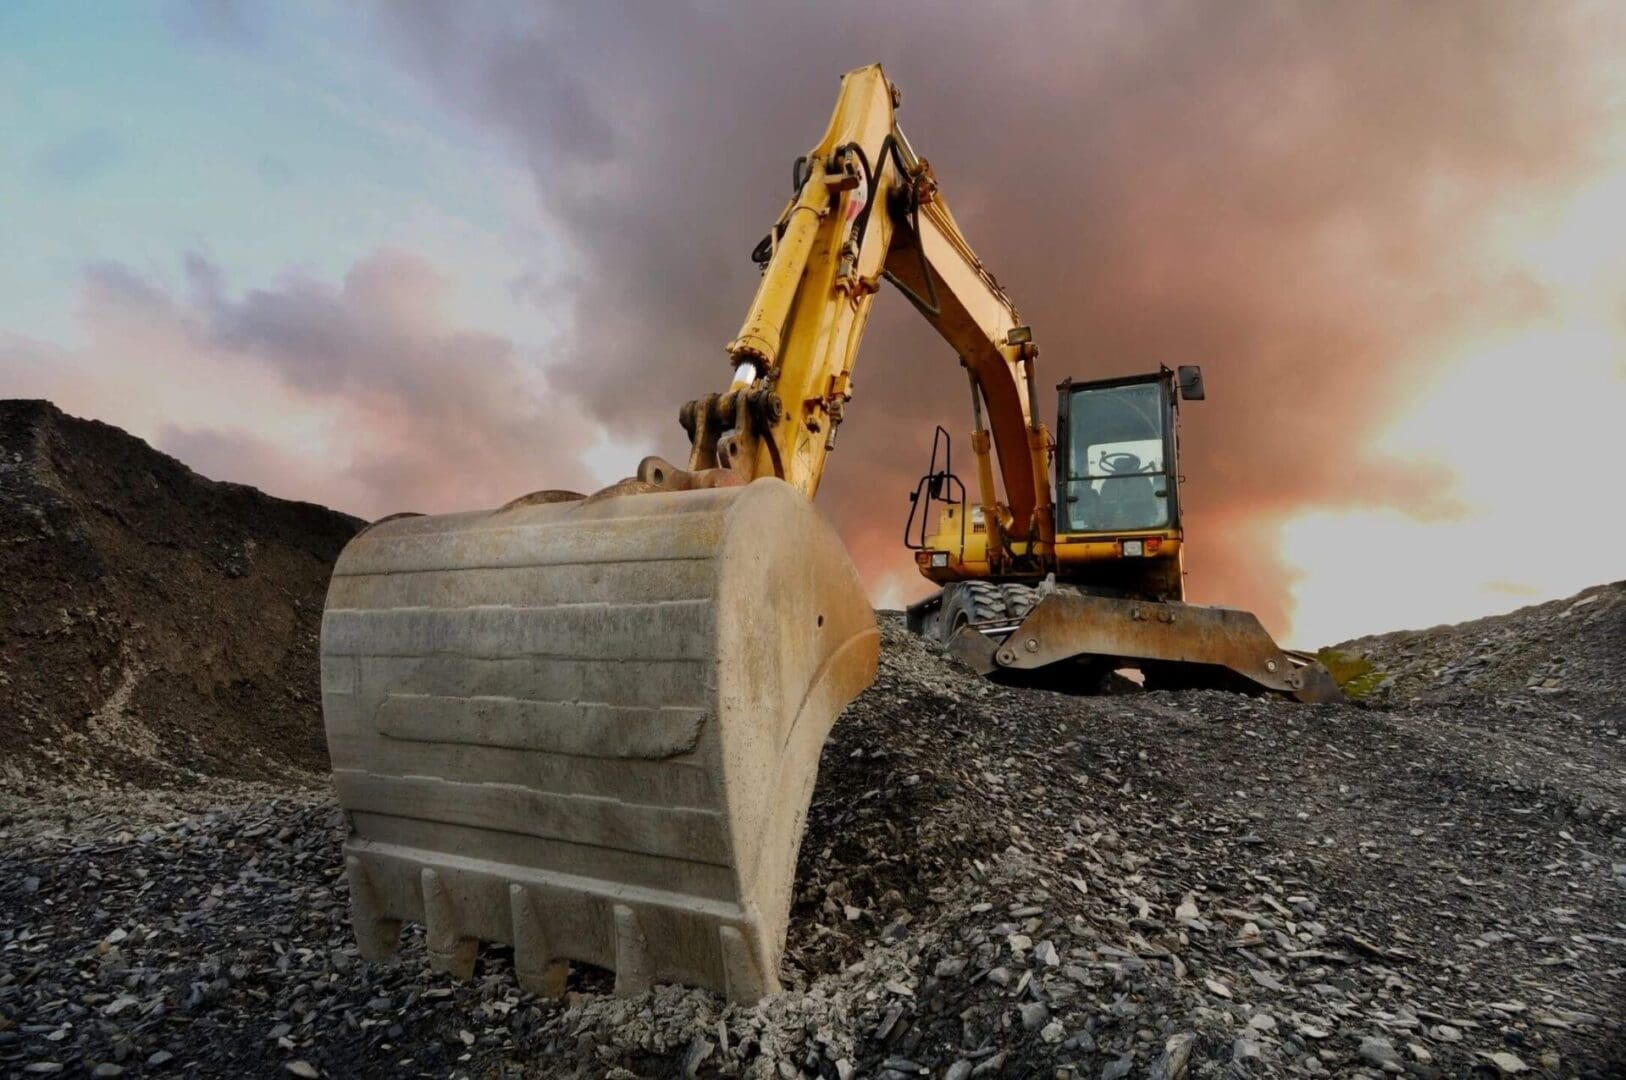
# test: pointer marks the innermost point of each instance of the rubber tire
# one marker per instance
(969, 602)
(1019, 600)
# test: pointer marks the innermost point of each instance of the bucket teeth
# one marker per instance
(632, 970)
(377, 936)
(448, 951)
(745, 979)
(534, 963)
(590, 728)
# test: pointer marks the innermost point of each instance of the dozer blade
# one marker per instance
(590, 728)
(1189, 639)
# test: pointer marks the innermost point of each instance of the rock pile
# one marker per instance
(1564, 655)
(994, 882)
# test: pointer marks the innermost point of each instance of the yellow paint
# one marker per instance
(802, 332)
(803, 328)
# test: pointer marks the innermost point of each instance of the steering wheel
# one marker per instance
(1121, 461)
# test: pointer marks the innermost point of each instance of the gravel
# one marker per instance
(1555, 661)
(994, 882)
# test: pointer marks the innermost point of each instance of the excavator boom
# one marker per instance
(867, 208)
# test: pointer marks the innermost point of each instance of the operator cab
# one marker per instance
(1115, 452)
(1117, 500)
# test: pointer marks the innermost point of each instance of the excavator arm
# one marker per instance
(590, 726)
(867, 207)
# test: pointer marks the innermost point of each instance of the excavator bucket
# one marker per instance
(590, 728)
(1180, 644)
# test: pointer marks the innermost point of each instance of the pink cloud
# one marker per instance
(362, 394)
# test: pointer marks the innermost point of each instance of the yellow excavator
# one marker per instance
(589, 726)
(1103, 590)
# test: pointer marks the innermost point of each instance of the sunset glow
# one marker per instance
(421, 257)
(1531, 424)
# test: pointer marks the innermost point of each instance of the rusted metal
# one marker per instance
(542, 498)
(662, 475)
(1069, 624)
(974, 649)
(721, 425)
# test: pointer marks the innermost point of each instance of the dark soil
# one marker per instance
(152, 622)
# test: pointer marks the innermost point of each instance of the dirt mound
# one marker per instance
(1566, 651)
(994, 882)
(1014, 882)
(152, 621)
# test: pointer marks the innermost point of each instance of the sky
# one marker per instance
(428, 256)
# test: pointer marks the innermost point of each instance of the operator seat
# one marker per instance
(1129, 502)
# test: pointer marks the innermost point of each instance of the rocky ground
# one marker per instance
(1563, 657)
(994, 882)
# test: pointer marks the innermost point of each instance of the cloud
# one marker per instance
(80, 158)
(231, 23)
(1295, 197)
(274, 171)
(362, 394)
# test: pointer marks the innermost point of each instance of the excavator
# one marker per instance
(588, 726)
(1104, 592)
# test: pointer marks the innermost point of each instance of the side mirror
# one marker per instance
(1190, 378)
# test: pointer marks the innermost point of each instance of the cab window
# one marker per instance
(1115, 476)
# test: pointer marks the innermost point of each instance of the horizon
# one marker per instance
(1515, 605)
(405, 255)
